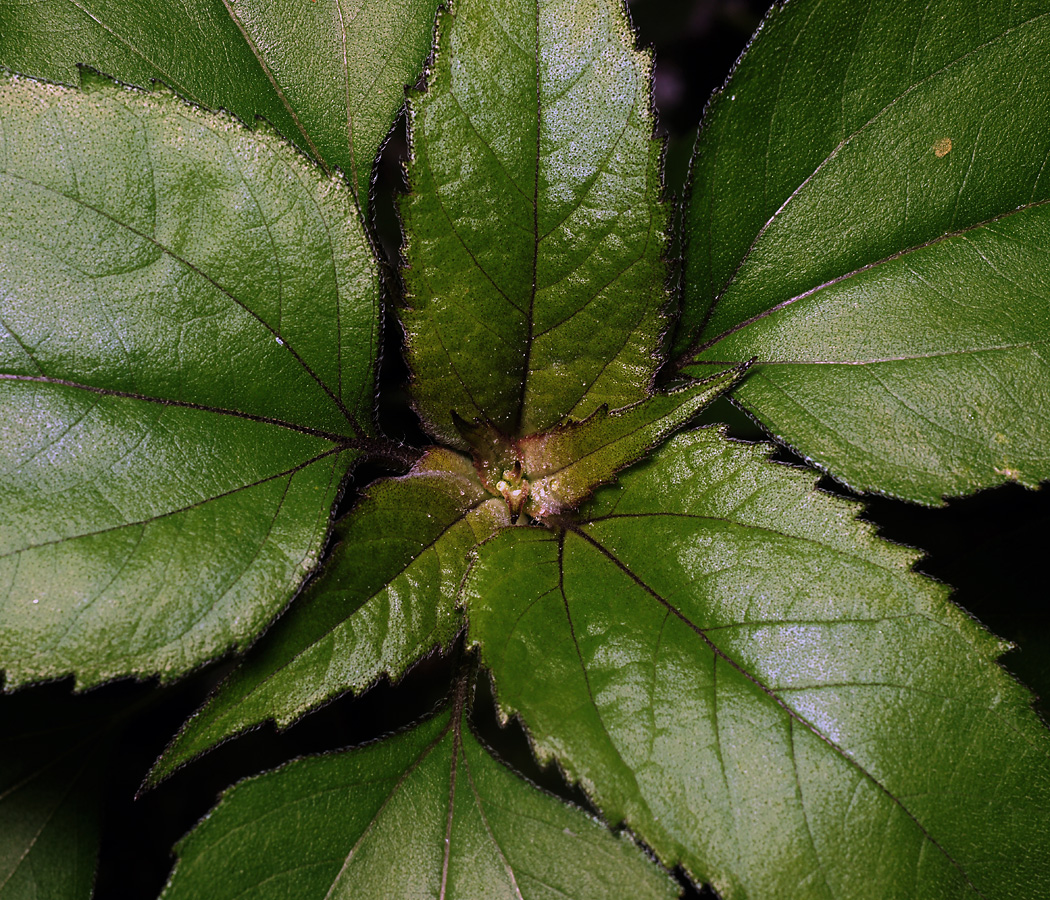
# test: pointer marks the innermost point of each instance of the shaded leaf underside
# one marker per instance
(186, 361)
(427, 813)
(51, 766)
(535, 279)
(727, 661)
(879, 244)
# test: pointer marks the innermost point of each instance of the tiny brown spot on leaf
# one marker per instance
(942, 147)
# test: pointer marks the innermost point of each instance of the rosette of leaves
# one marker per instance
(748, 684)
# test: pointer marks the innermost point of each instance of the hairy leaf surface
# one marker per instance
(535, 229)
(872, 227)
(187, 348)
(385, 598)
(426, 813)
(329, 74)
(732, 664)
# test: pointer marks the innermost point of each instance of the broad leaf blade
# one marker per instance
(535, 229)
(330, 75)
(186, 365)
(566, 465)
(727, 660)
(384, 599)
(426, 813)
(871, 227)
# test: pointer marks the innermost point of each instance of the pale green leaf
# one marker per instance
(187, 349)
(384, 599)
(428, 813)
(329, 74)
(763, 691)
(535, 282)
(872, 227)
(564, 466)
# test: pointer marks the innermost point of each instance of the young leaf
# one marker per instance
(566, 465)
(535, 229)
(186, 365)
(427, 813)
(330, 74)
(52, 759)
(385, 598)
(762, 690)
(872, 226)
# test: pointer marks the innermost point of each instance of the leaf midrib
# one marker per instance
(699, 345)
(172, 512)
(329, 631)
(286, 345)
(688, 356)
(526, 369)
(772, 695)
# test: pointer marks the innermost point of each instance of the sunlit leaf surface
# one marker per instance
(385, 598)
(187, 345)
(328, 74)
(535, 232)
(732, 664)
(428, 813)
(872, 227)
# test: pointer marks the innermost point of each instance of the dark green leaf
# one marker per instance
(329, 74)
(872, 226)
(52, 759)
(428, 813)
(535, 229)
(186, 364)
(385, 598)
(566, 465)
(732, 664)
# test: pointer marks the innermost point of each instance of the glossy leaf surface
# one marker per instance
(52, 760)
(732, 664)
(385, 598)
(186, 366)
(427, 813)
(872, 226)
(566, 465)
(329, 74)
(535, 283)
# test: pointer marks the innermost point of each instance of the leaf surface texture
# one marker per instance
(872, 227)
(535, 284)
(187, 350)
(329, 74)
(728, 660)
(385, 598)
(427, 813)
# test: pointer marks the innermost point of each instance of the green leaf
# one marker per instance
(52, 760)
(535, 283)
(330, 74)
(734, 666)
(187, 349)
(424, 814)
(385, 598)
(872, 227)
(566, 465)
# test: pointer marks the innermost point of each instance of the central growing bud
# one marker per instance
(515, 490)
